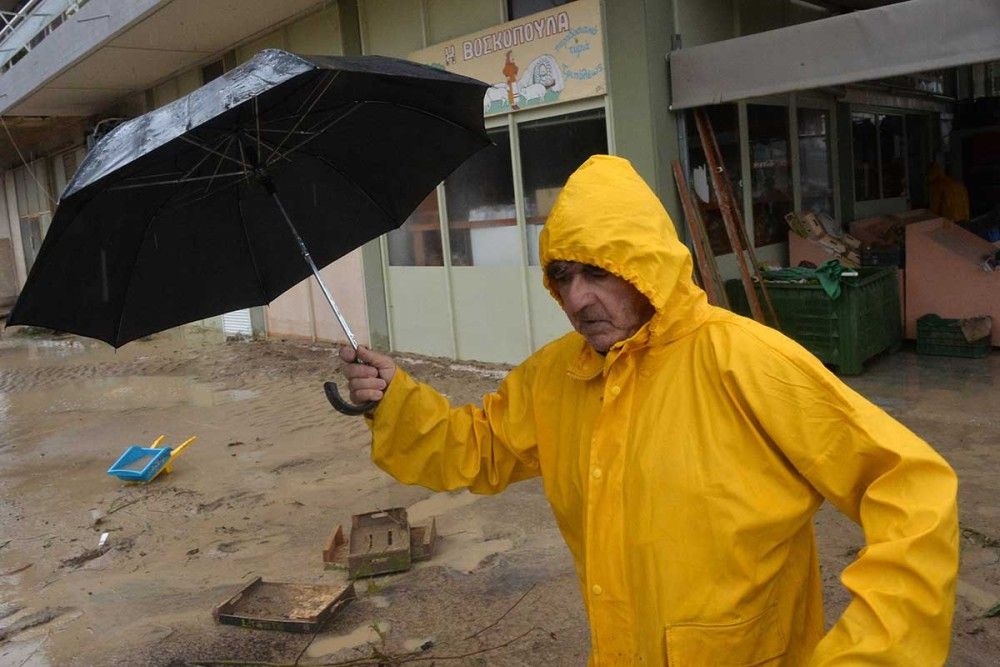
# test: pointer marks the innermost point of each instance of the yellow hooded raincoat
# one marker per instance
(684, 468)
(948, 197)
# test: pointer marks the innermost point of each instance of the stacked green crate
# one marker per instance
(944, 337)
(861, 323)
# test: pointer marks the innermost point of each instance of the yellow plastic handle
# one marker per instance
(176, 451)
(156, 443)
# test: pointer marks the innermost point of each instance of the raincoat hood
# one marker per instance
(607, 216)
(935, 172)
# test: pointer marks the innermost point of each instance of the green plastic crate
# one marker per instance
(944, 337)
(863, 322)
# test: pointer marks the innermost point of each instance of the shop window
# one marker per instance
(551, 149)
(815, 170)
(864, 138)
(418, 241)
(770, 172)
(892, 149)
(879, 143)
(725, 124)
(518, 8)
(482, 223)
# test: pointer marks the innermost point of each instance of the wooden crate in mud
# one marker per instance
(379, 543)
(264, 605)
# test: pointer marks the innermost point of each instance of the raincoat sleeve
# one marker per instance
(886, 479)
(419, 438)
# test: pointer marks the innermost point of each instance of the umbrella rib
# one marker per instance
(353, 183)
(176, 181)
(317, 133)
(423, 112)
(135, 263)
(354, 107)
(268, 145)
(256, 116)
(325, 78)
(219, 165)
(330, 78)
(191, 141)
(199, 196)
(253, 258)
(132, 183)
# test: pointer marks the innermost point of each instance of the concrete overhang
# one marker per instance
(902, 38)
(110, 49)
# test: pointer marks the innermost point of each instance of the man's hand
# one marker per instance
(367, 381)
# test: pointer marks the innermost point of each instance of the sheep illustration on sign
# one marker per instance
(541, 82)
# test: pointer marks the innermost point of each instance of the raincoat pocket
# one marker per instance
(756, 641)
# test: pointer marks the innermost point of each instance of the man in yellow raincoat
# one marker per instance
(948, 197)
(684, 451)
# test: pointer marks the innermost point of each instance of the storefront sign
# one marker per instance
(549, 57)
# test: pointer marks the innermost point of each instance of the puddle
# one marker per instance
(24, 653)
(46, 348)
(119, 393)
(366, 634)
(414, 645)
(438, 504)
(464, 552)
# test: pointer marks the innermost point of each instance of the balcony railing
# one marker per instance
(25, 29)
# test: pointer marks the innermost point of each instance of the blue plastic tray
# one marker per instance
(140, 464)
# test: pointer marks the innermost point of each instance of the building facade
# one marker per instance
(460, 278)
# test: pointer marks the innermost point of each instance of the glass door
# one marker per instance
(880, 172)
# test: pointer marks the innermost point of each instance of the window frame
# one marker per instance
(871, 207)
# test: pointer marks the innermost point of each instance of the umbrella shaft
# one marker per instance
(315, 271)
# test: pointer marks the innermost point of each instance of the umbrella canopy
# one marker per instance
(177, 215)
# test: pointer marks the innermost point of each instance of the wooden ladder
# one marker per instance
(733, 223)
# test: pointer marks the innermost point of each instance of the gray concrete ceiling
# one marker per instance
(174, 36)
(82, 68)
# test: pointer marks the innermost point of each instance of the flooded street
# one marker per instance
(274, 470)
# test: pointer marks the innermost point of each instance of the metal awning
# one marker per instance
(903, 38)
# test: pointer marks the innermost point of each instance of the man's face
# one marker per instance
(602, 307)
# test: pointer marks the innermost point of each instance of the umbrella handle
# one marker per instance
(342, 406)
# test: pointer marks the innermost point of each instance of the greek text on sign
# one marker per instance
(549, 57)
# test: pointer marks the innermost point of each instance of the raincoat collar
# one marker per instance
(608, 217)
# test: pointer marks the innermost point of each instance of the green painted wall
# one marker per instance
(638, 41)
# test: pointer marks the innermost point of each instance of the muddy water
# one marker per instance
(366, 634)
(274, 470)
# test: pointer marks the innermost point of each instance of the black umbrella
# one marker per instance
(187, 212)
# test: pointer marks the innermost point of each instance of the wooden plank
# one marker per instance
(733, 221)
(707, 267)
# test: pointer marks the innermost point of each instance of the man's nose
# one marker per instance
(577, 294)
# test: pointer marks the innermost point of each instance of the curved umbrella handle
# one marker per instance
(342, 406)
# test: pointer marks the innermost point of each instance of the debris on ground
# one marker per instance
(88, 555)
(16, 570)
(289, 607)
(383, 542)
(334, 542)
(32, 620)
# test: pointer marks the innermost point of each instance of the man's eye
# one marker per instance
(595, 272)
(557, 273)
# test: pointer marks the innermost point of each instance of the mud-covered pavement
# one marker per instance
(275, 469)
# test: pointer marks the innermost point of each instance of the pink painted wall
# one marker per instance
(943, 275)
(302, 312)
